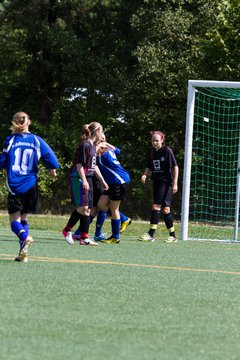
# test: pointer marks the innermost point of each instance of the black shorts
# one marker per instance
(97, 191)
(116, 192)
(25, 203)
(162, 193)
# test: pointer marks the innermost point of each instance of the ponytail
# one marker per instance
(20, 122)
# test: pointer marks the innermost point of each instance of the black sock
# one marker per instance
(168, 219)
(155, 216)
(72, 221)
(84, 224)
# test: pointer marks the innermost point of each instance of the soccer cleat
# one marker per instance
(125, 224)
(99, 238)
(171, 239)
(23, 255)
(68, 236)
(87, 241)
(146, 238)
(111, 240)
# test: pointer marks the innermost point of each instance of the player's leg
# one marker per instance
(101, 217)
(24, 222)
(84, 210)
(167, 216)
(115, 223)
(155, 213)
(18, 229)
(117, 193)
(16, 205)
(168, 219)
(99, 212)
(29, 202)
(125, 222)
(103, 207)
(77, 193)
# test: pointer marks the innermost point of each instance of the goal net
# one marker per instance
(211, 180)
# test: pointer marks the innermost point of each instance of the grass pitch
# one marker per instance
(128, 301)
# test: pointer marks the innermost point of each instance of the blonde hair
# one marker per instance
(89, 130)
(20, 122)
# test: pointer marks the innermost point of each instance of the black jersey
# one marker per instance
(85, 155)
(161, 163)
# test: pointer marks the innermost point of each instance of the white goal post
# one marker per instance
(217, 92)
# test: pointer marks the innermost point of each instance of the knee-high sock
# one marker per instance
(19, 230)
(72, 221)
(101, 216)
(77, 232)
(25, 226)
(123, 217)
(116, 228)
(155, 216)
(84, 226)
(168, 219)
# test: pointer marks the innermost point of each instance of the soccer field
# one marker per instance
(129, 301)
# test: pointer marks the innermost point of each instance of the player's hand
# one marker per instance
(175, 189)
(52, 172)
(86, 185)
(143, 179)
(104, 185)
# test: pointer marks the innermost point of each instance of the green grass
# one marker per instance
(128, 301)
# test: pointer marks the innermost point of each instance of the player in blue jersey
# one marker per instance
(83, 169)
(20, 158)
(116, 177)
(163, 168)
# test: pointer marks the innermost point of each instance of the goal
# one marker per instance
(211, 179)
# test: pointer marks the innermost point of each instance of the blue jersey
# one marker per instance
(111, 169)
(20, 158)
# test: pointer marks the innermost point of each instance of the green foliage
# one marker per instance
(3, 191)
(123, 63)
(218, 52)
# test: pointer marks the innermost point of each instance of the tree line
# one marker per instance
(123, 63)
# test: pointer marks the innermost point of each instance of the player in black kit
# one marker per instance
(163, 170)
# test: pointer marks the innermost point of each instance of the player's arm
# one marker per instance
(81, 173)
(175, 172)
(47, 154)
(146, 173)
(113, 148)
(3, 160)
(3, 155)
(110, 146)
